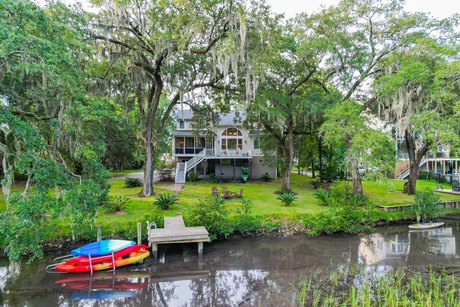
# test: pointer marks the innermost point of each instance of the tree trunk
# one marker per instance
(415, 157)
(320, 153)
(356, 179)
(290, 159)
(147, 189)
(313, 168)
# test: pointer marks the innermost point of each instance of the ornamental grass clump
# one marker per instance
(133, 182)
(287, 199)
(165, 201)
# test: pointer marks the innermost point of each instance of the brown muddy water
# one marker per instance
(239, 272)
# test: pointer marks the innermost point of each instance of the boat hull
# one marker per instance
(119, 262)
(426, 226)
(82, 260)
(101, 248)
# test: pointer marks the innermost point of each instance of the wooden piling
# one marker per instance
(99, 232)
(139, 233)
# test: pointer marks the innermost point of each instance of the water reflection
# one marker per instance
(415, 247)
(246, 272)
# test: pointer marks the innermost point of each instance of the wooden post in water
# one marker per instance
(139, 233)
(99, 232)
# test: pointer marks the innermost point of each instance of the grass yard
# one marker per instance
(124, 172)
(260, 193)
(262, 196)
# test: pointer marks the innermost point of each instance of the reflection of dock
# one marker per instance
(184, 275)
(175, 231)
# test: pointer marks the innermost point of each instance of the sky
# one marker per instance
(438, 8)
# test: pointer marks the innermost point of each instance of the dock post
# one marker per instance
(99, 232)
(155, 251)
(200, 249)
(139, 233)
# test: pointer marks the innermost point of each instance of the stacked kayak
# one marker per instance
(104, 255)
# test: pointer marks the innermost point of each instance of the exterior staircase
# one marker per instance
(405, 173)
(183, 168)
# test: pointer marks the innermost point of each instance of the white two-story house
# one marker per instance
(231, 150)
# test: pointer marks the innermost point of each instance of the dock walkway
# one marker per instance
(175, 231)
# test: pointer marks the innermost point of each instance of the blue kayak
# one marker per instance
(103, 247)
(102, 295)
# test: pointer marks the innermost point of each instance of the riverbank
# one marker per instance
(288, 229)
(266, 216)
(256, 271)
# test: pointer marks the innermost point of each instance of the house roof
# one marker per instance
(183, 132)
(225, 119)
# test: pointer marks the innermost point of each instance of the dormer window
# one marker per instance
(181, 124)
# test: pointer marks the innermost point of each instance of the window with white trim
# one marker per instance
(232, 139)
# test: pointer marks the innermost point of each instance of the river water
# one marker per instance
(237, 272)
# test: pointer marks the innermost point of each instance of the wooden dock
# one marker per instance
(445, 205)
(175, 232)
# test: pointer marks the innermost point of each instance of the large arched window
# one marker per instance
(232, 139)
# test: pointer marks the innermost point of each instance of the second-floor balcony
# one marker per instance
(218, 153)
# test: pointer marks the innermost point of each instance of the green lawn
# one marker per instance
(262, 196)
(124, 172)
(260, 193)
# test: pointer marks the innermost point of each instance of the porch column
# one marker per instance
(428, 166)
(435, 166)
(443, 167)
(456, 166)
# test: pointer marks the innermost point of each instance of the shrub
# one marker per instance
(117, 203)
(266, 177)
(245, 222)
(335, 197)
(212, 178)
(133, 182)
(166, 174)
(316, 183)
(165, 201)
(339, 219)
(426, 205)
(323, 196)
(210, 213)
(193, 176)
(287, 199)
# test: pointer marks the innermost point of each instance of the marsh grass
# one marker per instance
(398, 287)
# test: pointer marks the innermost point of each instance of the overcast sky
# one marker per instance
(438, 8)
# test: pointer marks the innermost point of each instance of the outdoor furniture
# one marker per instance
(215, 192)
(236, 195)
(455, 187)
(438, 186)
(226, 193)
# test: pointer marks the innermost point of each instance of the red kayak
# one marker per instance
(83, 260)
(105, 265)
(106, 285)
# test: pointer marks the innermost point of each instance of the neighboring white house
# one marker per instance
(231, 148)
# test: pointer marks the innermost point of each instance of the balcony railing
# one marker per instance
(219, 152)
(188, 150)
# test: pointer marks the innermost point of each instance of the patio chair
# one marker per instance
(226, 193)
(455, 187)
(236, 195)
(215, 192)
